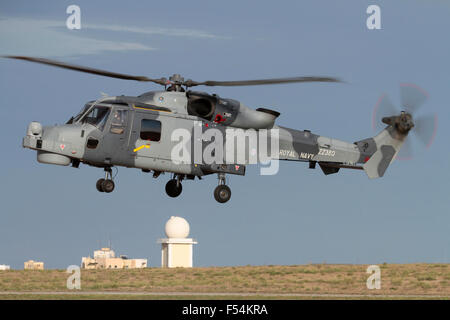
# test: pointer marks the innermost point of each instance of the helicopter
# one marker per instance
(137, 132)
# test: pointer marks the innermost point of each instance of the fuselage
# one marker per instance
(146, 132)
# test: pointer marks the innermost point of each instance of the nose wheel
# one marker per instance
(222, 193)
(106, 185)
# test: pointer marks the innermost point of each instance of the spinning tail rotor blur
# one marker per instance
(424, 126)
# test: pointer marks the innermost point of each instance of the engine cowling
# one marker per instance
(229, 112)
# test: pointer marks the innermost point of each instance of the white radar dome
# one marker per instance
(177, 227)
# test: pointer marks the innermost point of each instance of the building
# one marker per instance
(33, 265)
(106, 259)
(4, 267)
(104, 253)
(176, 249)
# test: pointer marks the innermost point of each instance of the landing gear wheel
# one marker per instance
(99, 185)
(222, 193)
(108, 186)
(173, 188)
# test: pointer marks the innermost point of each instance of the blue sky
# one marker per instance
(55, 214)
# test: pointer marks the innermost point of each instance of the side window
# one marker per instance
(119, 121)
(150, 130)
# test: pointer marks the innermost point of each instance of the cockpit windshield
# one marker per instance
(82, 111)
(97, 117)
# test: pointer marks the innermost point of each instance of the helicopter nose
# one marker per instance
(48, 142)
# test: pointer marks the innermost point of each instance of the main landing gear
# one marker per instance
(222, 193)
(174, 187)
(107, 184)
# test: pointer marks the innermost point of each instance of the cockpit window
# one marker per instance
(83, 111)
(119, 121)
(97, 117)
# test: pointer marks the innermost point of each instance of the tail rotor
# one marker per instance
(424, 127)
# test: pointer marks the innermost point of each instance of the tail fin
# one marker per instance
(388, 143)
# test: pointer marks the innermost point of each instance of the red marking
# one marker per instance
(366, 159)
(219, 119)
(237, 167)
(206, 125)
(62, 146)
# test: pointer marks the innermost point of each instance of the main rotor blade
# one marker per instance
(99, 72)
(191, 83)
(425, 128)
(412, 97)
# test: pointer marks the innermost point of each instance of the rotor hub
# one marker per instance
(176, 79)
(403, 122)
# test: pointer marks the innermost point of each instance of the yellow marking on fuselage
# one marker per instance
(141, 147)
(151, 109)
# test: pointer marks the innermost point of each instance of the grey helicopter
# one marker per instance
(136, 132)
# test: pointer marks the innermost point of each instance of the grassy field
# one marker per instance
(267, 282)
